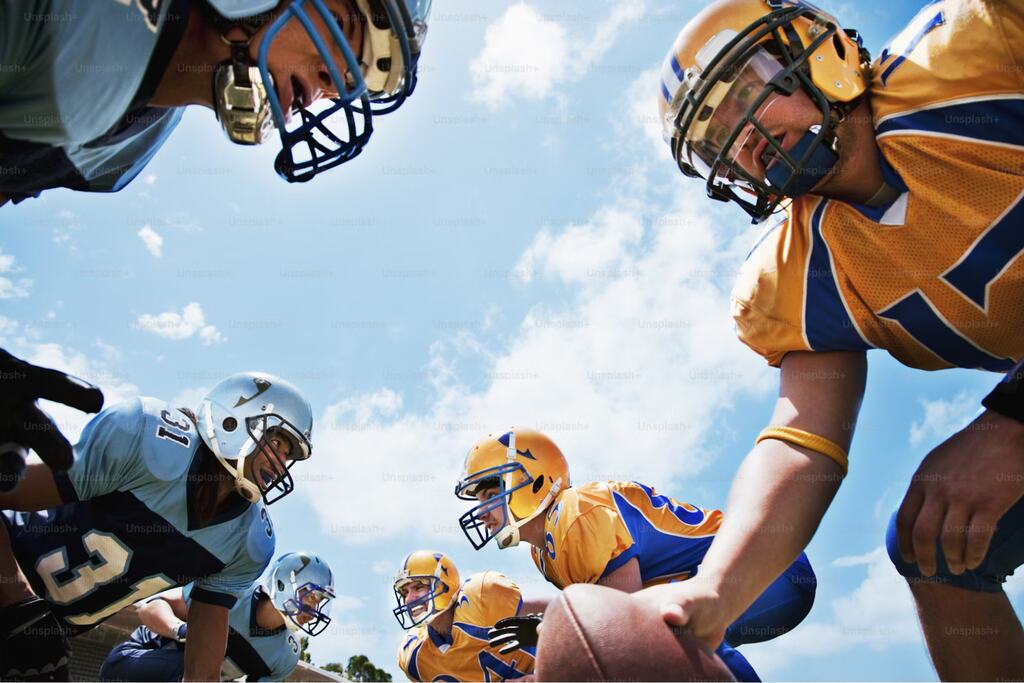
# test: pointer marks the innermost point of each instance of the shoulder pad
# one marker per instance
(169, 439)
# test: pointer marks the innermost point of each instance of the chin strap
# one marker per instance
(239, 93)
(236, 466)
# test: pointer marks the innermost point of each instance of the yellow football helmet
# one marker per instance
(725, 65)
(442, 578)
(527, 469)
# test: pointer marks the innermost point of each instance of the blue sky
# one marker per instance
(514, 247)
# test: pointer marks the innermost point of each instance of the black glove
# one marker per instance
(33, 643)
(23, 425)
(514, 633)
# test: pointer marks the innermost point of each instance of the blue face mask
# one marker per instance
(823, 159)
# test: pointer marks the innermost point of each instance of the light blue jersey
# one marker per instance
(257, 653)
(75, 81)
(129, 528)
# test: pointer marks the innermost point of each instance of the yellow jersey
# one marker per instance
(935, 277)
(594, 529)
(484, 599)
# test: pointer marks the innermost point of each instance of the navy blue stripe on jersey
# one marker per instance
(413, 670)
(827, 323)
(478, 632)
(990, 255)
(212, 598)
(991, 120)
(65, 488)
(157, 548)
(659, 553)
(244, 655)
(436, 637)
(921, 321)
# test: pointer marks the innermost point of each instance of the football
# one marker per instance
(594, 633)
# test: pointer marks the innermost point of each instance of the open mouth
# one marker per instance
(267, 477)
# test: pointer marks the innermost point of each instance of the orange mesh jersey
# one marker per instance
(484, 599)
(594, 529)
(934, 278)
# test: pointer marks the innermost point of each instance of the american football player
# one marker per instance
(94, 89)
(295, 595)
(899, 188)
(156, 498)
(448, 621)
(619, 534)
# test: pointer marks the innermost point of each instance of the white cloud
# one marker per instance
(628, 375)
(580, 251)
(47, 355)
(642, 114)
(504, 65)
(7, 326)
(12, 288)
(178, 326)
(153, 241)
(878, 614)
(944, 417)
(507, 68)
(150, 179)
(383, 568)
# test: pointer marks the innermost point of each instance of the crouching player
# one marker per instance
(448, 622)
(617, 534)
(296, 594)
(156, 498)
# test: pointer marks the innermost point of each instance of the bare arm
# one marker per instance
(37, 491)
(207, 642)
(782, 491)
(777, 499)
(626, 578)
(165, 613)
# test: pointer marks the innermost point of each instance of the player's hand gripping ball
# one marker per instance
(595, 633)
(23, 425)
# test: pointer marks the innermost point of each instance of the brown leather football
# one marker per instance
(594, 633)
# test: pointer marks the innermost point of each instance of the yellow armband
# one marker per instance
(814, 442)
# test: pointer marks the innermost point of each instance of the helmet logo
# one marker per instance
(261, 386)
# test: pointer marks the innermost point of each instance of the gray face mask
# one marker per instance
(240, 98)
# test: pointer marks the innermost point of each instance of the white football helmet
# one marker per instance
(301, 586)
(243, 409)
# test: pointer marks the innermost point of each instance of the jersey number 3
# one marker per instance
(108, 561)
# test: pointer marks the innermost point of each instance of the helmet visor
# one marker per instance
(725, 127)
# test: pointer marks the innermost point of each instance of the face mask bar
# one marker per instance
(321, 156)
(261, 428)
(295, 607)
(722, 173)
(404, 612)
(312, 147)
(473, 521)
